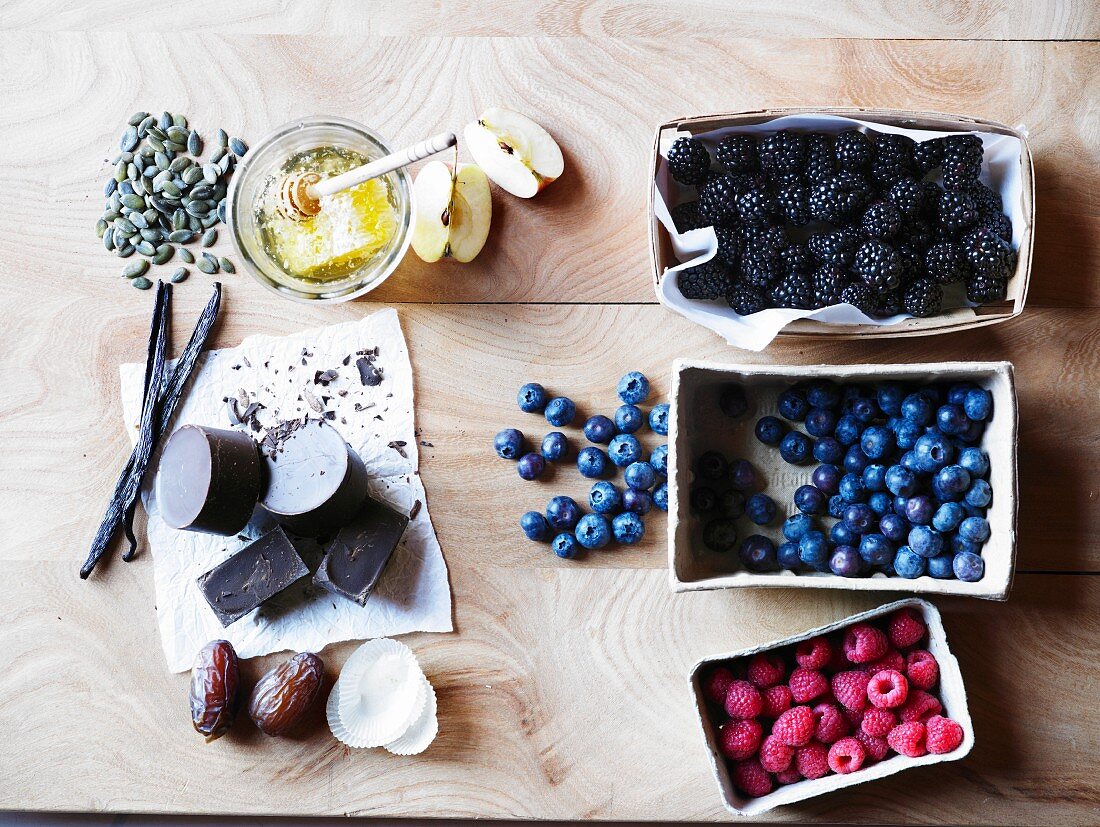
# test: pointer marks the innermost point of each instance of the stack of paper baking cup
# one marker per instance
(383, 699)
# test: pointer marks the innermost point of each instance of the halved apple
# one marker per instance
(515, 152)
(453, 212)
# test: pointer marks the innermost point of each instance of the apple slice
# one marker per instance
(453, 212)
(515, 152)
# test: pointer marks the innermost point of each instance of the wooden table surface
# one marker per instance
(563, 693)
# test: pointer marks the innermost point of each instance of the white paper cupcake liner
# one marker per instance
(420, 735)
(379, 694)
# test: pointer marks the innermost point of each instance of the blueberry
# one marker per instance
(876, 549)
(531, 466)
(842, 535)
(874, 477)
(827, 478)
(591, 462)
(951, 419)
(855, 460)
(846, 562)
(828, 450)
(658, 419)
(972, 511)
(813, 548)
(565, 546)
(894, 527)
(534, 525)
(660, 496)
(956, 394)
(627, 528)
(933, 451)
(554, 446)
(823, 393)
(508, 443)
(889, 396)
(968, 567)
(917, 408)
(531, 397)
(562, 513)
(907, 433)
(560, 411)
(796, 525)
(960, 544)
(848, 430)
(757, 553)
(742, 475)
(770, 430)
(947, 517)
(731, 504)
(720, 535)
(599, 428)
(820, 422)
(973, 432)
(633, 388)
(940, 567)
(637, 501)
(624, 449)
(796, 448)
(909, 564)
(711, 466)
(852, 489)
(792, 405)
(810, 499)
(837, 506)
(787, 556)
(703, 499)
(952, 480)
(640, 475)
(974, 529)
(978, 405)
(863, 409)
(604, 498)
(909, 462)
(881, 503)
(628, 418)
(760, 508)
(859, 517)
(919, 509)
(659, 460)
(877, 441)
(593, 531)
(925, 541)
(732, 401)
(980, 494)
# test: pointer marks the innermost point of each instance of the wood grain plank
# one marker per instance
(584, 238)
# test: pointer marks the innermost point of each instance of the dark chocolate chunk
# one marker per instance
(254, 574)
(355, 558)
(369, 373)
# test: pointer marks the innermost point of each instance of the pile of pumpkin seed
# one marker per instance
(161, 194)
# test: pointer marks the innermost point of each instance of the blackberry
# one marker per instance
(756, 206)
(893, 158)
(760, 265)
(797, 258)
(985, 199)
(782, 152)
(907, 195)
(946, 263)
(878, 264)
(928, 155)
(819, 157)
(738, 153)
(923, 298)
(912, 264)
(835, 247)
(956, 211)
(930, 200)
(998, 223)
(688, 161)
(989, 255)
(729, 245)
(709, 280)
(771, 236)
(881, 220)
(793, 203)
(853, 150)
(687, 217)
(964, 145)
(718, 200)
(888, 303)
(983, 289)
(839, 198)
(794, 290)
(860, 296)
(917, 234)
(829, 282)
(746, 299)
(960, 173)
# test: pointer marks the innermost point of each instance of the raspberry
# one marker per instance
(831, 723)
(846, 755)
(807, 684)
(850, 688)
(777, 700)
(790, 775)
(813, 653)
(813, 761)
(716, 683)
(766, 670)
(920, 707)
(795, 727)
(921, 669)
(878, 722)
(863, 643)
(751, 778)
(891, 660)
(875, 748)
(775, 756)
(908, 739)
(740, 739)
(944, 735)
(906, 628)
(853, 717)
(888, 689)
(743, 700)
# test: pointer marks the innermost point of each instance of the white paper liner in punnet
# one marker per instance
(380, 693)
(420, 735)
(1000, 171)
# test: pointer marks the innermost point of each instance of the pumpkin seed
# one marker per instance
(196, 208)
(163, 161)
(179, 164)
(159, 204)
(155, 143)
(100, 228)
(227, 265)
(109, 215)
(192, 175)
(207, 266)
(209, 238)
(194, 143)
(170, 188)
(126, 188)
(209, 220)
(221, 211)
(177, 134)
(129, 140)
(142, 283)
(165, 120)
(150, 234)
(164, 253)
(179, 220)
(224, 163)
(180, 236)
(223, 138)
(109, 239)
(138, 220)
(186, 255)
(144, 247)
(194, 224)
(125, 225)
(219, 153)
(123, 156)
(109, 187)
(210, 173)
(174, 146)
(135, 269)
(120, 172)
(237, 146)
(151, 216)
(143, 127)
(134, 202)
(115, 203)
(180, 120)
(137, 118)
(139, 187)
(150, 171)
(157, 133)
(179, 275)
(124, 250)
(132, 171)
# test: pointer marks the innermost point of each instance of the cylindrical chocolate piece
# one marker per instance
(209, 480)
(316, 482)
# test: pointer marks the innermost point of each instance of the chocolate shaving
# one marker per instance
(234, 410)
(247, 364)
(415, 510)
(323, 377)
(398, 446)
(360, 407)
(369, 373)
(330, 415)
(346, 360)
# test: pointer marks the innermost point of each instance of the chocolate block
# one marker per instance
(254, 574)
(208, 480)
(357, 555)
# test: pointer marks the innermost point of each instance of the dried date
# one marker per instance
(284, 695)
(215, 689)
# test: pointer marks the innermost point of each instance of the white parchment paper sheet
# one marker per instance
(414, 593)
